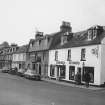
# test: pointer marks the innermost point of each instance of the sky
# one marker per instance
(20, 19)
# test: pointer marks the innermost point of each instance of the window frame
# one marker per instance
(69, 55)
(83, 54)
(56, 55)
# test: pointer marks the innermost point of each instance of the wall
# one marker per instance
(102, 63)
(92, 60)
(19, 57)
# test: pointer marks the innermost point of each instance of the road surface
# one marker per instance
(16, 90)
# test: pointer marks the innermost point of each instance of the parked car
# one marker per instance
(13, 71)
(20, 72)
(5, 70)
(30, 74)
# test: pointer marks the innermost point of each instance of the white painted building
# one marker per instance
(84, 52)
(19, 58)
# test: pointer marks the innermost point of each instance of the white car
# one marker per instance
(20, 72)
(30, 74)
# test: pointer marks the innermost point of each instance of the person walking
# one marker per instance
(87, 79)
(78, 78)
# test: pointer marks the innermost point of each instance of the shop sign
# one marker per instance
(74, 62)
(94, 51)
(60, 62)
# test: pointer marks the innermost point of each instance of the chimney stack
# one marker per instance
(38, 35)
(66, 27)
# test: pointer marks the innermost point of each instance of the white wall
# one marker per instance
(92, 60)
(19, 57)
(102, 63)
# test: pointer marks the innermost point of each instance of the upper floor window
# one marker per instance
(39, 42)
(92, 33)
(56, 55)
(83, 54)
(69, 55)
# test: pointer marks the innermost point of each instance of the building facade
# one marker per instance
(84, 52)
(38, 53)
(6, 54)
(20, 57)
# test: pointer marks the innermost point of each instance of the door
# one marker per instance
(40, 69)
(57, 71)
(71, 72)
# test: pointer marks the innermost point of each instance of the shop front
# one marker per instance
(76, 66)
(58, 71)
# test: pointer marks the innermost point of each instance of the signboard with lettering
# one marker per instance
(74, 62)
(60, 62)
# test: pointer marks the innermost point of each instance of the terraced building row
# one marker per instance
(62, 54)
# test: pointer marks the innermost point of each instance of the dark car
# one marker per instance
(30, 74)
(13, 71)
(5, 70)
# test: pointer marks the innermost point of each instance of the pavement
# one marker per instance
(72, 84)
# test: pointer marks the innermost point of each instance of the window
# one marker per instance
(83, 54)
(90, 70)
(33, 66)
(56, 55)
(62, 71)
(52, 70)
(94, 33)
(69, 55)
(90, 34)
(39, 42)
(71, 72)
(44, 56)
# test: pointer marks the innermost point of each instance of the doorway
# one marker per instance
(40, 69)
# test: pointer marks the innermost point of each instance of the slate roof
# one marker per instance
(22, 49)
(54, 40)
(79, 39)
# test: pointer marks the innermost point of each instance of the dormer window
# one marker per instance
(31, 45)
(90, 34)
(63, 39)
(94, 33)
(39, 42)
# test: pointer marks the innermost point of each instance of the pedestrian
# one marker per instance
(87, 79)
(78, 78)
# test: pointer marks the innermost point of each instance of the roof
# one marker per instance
(22, 49)
(80, 39)
(56, 39)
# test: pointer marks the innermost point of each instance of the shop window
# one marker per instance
(56, 55)
(90, 70)
(33, 66)
(52, 70)
(62, 71)
(83, 54)
(71, 72)
(69, 55)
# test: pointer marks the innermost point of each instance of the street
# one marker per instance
(16, 90)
